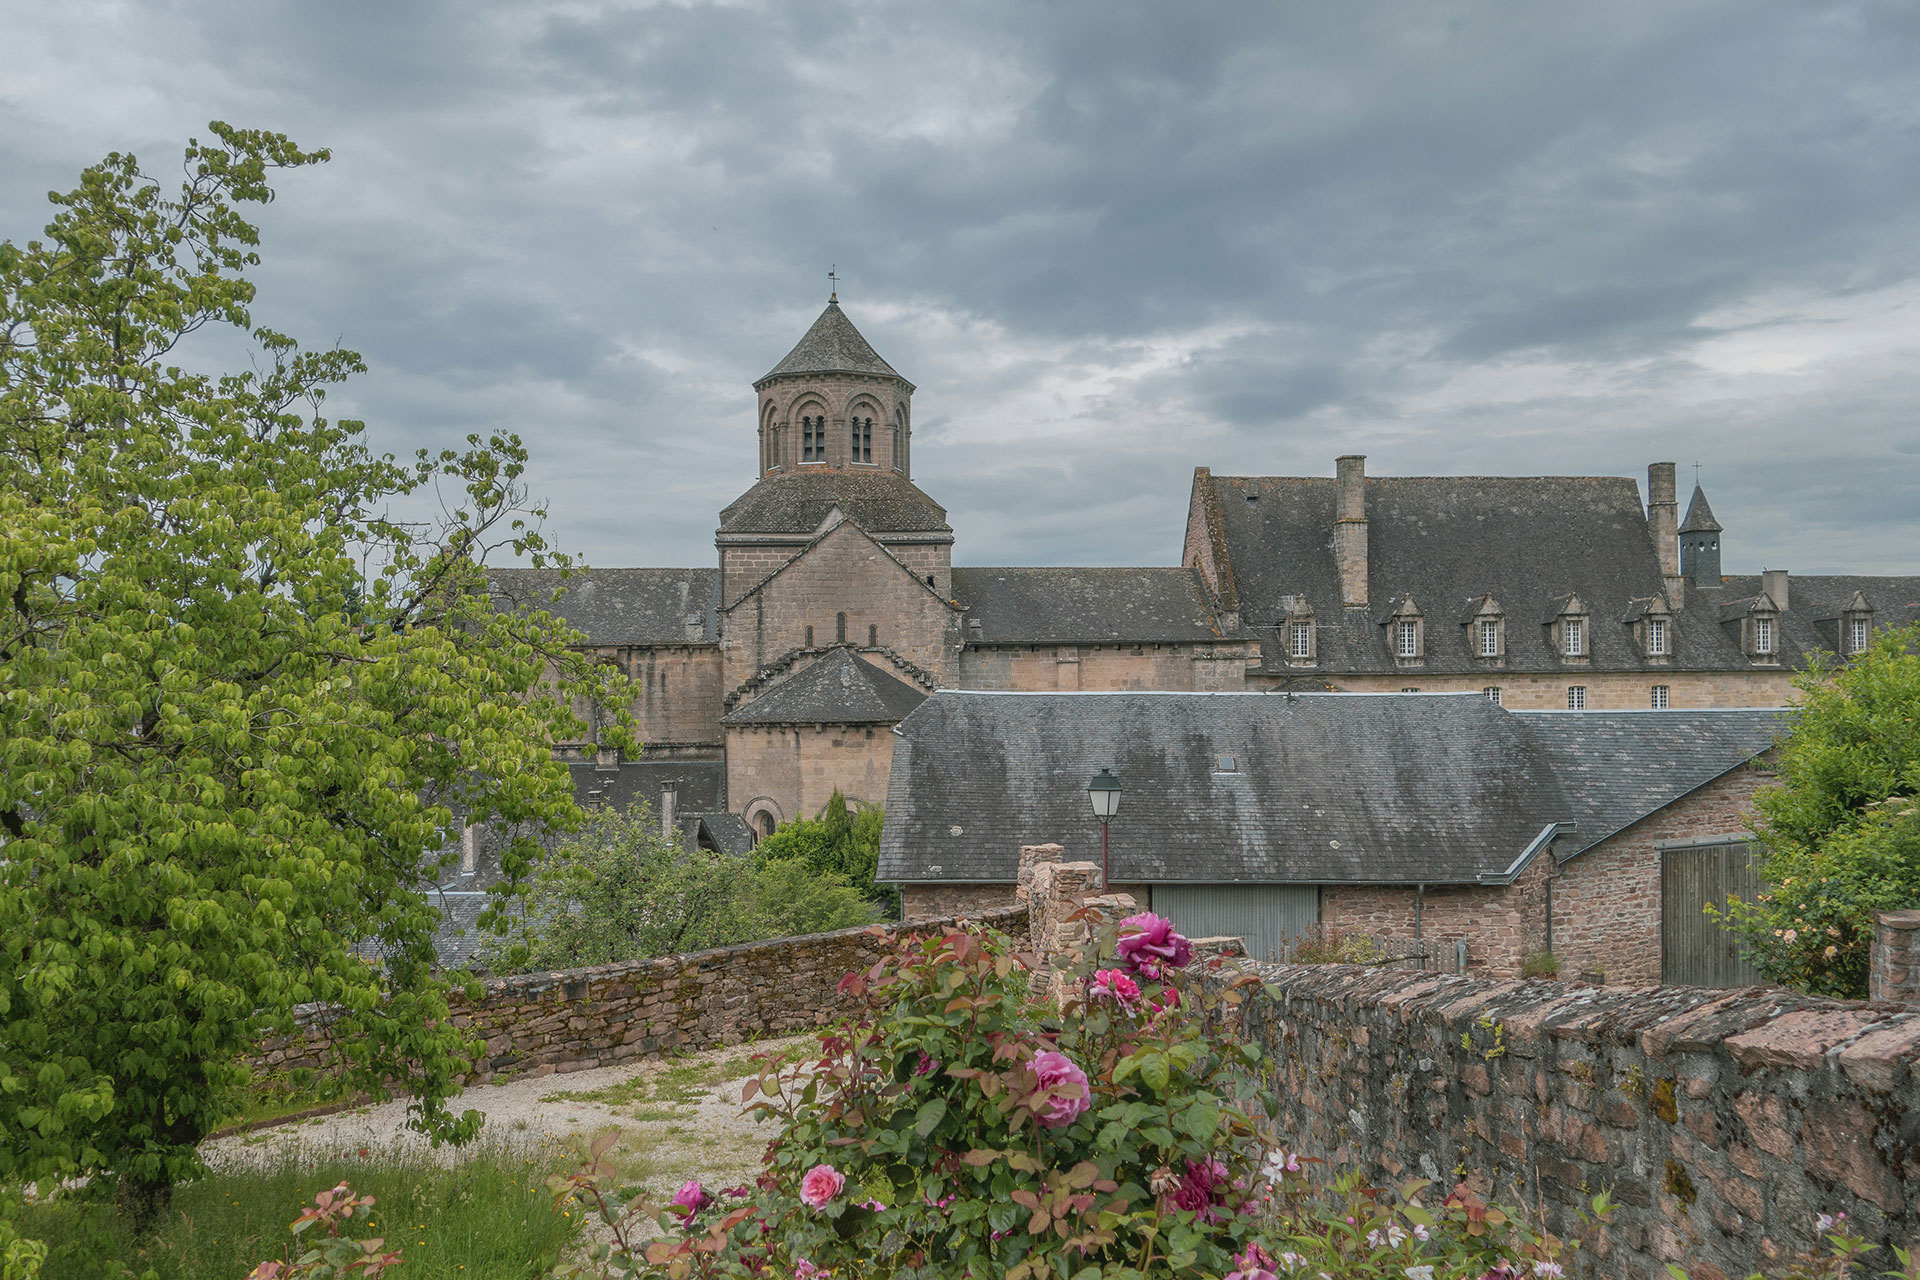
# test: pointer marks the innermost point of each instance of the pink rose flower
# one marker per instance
(690, 1199)
(821, 1185)
(1114, 985)
(1197, 1189)
(804, 1269)
(1066, 1087)
(1149, 944)
(1254, 1263)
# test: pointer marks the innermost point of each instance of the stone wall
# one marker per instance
(1547, 691)
(797, 768)
(1722, 1122)
(1211, 667)
(1895, 973)
(577, 1019)
(679, 700)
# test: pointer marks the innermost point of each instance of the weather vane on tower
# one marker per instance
(833, 284)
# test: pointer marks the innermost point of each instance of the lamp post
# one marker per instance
(1104, 792)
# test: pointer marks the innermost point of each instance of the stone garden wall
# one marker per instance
(1722, 1122)
(580, 1018)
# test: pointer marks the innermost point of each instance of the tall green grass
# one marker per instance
(490, 1216)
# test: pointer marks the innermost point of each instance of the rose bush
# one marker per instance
(955, 1129)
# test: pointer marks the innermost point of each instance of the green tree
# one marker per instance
(228, 750)
(1840, 836)
(841, 841)
(618, 889)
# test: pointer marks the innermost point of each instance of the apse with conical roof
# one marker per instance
(1700, 542)
(833, 403)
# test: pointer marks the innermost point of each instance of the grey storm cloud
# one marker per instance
(1109, 242)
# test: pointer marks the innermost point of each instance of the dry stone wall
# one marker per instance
(576, 1019)
(1722, 1122)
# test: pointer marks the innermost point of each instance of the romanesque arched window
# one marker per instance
(813, 438)
(862, 429)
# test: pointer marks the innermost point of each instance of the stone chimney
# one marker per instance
(1774, 583)
(1350, 527)
(669, 792)
(1663, 524)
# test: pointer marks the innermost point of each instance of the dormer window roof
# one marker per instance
(1486, 624)
(1406, 632)
(1568, 628)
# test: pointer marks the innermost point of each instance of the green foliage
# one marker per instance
(956, 1129)
(1840, 835)
(840, 842)
(320, 1252)
(1540, 964)
(488, 1216)
(1329, 944)
(618, 889)
(226, 752)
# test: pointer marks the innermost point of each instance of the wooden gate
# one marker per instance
(1266, 916)
(1694, 950)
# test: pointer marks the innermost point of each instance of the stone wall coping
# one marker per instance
(1760, 1026)
(1901, 920)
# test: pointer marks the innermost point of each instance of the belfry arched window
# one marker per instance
(862, 439)
(813, 439)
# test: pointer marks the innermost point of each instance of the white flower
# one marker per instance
(1828, 1221)
(1278, 1165)
(1421, 1233)
(1292, 1261)
(1420, 1273)
(1548, 1269)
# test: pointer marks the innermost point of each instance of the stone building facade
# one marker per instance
(1540, 592)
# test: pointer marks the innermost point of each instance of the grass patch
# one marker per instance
(271, 1095)
(490, 1216)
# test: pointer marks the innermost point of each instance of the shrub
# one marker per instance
(1540, 964)
(949, 1131)
(1329, 944)
(840, 842)
(331, 1255)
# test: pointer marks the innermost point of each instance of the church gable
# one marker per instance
(842, 588)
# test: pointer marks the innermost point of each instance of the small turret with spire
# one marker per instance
(1700, 542)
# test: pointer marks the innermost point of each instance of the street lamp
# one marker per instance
(1104, 792)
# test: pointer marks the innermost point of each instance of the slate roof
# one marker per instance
(1446, 541)
(1616, 767)
(1327, 788)
(1814, 602)
(700, 785)
(832, 345)
(839, 688)
(1699, 515)
(1085, 606)
(797, 502)
(620, 606)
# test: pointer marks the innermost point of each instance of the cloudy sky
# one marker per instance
(1108, 241)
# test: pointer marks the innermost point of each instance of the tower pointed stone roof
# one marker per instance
(1699, 515)
(832, 345)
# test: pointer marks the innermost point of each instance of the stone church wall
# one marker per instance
(680, 693)
(1050, 668)
(845, 573)
(798, 768)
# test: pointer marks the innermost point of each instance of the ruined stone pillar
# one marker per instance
(1895, 971)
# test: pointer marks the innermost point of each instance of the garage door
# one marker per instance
(1268, 916)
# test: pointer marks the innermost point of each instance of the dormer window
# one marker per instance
(1763, 635)
(1299, 634)
(1659, 643)
(1299, 640)
(1486, 631)
(1489, 638)
(1407, 632)
(1568, 631)
(1859, 633)
(862, 429)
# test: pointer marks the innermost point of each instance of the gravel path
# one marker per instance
(678, 1118)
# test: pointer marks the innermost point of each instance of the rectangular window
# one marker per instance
(1411, 688)
(1407, 637)
(1763, 635)
(1660, 697)
(1856, 635)
(1301, 640)
(1576, 697)
(1657, 637)
(1489, 639)
(1574, 631)
(1492, 694)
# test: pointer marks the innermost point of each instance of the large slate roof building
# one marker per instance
(1277, 812)
(834, 605)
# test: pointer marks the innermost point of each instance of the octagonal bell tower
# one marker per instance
(833, 403)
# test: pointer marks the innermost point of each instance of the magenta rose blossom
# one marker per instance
(1066, 1086)
(1199, 1187)
(1148, 944)
(690, 1199)
(1114, 985)
(822, 1183)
